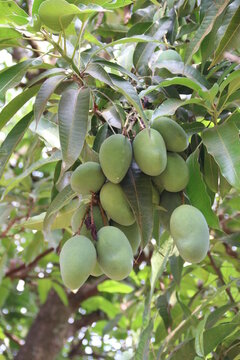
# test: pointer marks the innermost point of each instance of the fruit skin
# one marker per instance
(115, 157)
(132, 233)
(87, 178)
(115, 255)
(77, 260)
(78, 217)
(150, 152)
(169, 201)
(97, 271)
(190, 233)
(56, 14)
(176, 175)
(174, 136)
(114, 202)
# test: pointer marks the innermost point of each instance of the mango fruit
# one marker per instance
(56, 14)
(176, 175)
(132, 233)
(115, 157)
(77, 260)
(150, 152)
(190, 233)
(97, 271)
(115, 203)
(174, 136)
(87, 178)
(169, 202)
(115, 255)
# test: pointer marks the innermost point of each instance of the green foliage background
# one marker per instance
(166, 309)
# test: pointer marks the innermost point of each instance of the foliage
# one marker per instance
(62, 93)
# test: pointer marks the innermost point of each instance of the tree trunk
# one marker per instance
(50, 329)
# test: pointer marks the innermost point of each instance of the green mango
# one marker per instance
(115, 157)
(167, 55)
(77, 260)
(78, 217)
(97, 271)
(87, 178)
(114, 202)
(169, 201)
(190, 233)
(57, 14)
(62, 220)
(150, 152)
(174, 136)
(132, 233)
(176, 175)
(115, 255)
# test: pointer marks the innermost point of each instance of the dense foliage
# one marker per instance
(73, 74)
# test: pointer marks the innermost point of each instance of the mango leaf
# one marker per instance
(212, 13)
(73, 120)
(169, 106)
(178, 67)
(47, 131)
(61, 293)
(117, 4)
(46, 90)
(98, 72)
(230, 38)
(44, 286)
(9, 33)
(115, 66)
(197, 192)
(3, 263)
(137, 188)
(114, 287)
(176, 266)
(143, 345)
(162, 305)
(128, 91)
(199, 346)
(14, 105)
(34, 248)
(45, 74)
(11, 12)
(222, 142)
(12, 140)
(11, 76)
(210, 172)
(100, 303)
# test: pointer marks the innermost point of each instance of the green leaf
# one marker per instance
(217, 314)
(44, 286)
(47, 131)
(143, 345)
(100, 137)
(222, 142)
(9, 33)
(10, 12)
(199, 346)
(56, 156)
(14, 105)
(163, 309)
(137, 188)
(61, 293)
(100, 303)
(176, 266)
(210, 172)
(178, 67)
(115, 66)
(46, 90)
(169, 106)
(230, 38)
(143, 52)
(197, 192)
(11, 77)
(73, 121)
(212, 13)
(35, 247)
(98, 72)
(12, 140)
(114, 287)
(3, 263)
(128, 91)
(117, 4)
(48, 73)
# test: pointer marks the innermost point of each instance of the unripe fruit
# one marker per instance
(97, 271)
(56, 14)
(169, 201)
(190, 233)
(132, 233)
(87, 178)
(150, 152)
(77, 260)
(174, 136)
(115, 203)
(176, 175)
(115, 157)
(115, 254)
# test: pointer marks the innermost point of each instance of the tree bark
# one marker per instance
(50, 329)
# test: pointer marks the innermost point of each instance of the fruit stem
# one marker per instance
(83, 219)
(102, 214)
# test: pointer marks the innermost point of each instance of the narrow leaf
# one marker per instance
(73, 120)
(12, 139)
(143, 345)
(98, 72)
(46, 90)
(10, 77)
(222, 142)
(197, 192)
(169, 106)
(114, 287)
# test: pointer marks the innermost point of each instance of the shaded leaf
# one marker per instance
(3, 263)
(45, 74)
(222, 142)
(98, 72)
(169, 106)
(10, 77)
(111, 286)
(143, 345)
(73, 119)
(210, 172)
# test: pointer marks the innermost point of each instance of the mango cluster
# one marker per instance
(107, 235)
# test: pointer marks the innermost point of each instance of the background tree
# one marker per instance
(139, 60)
